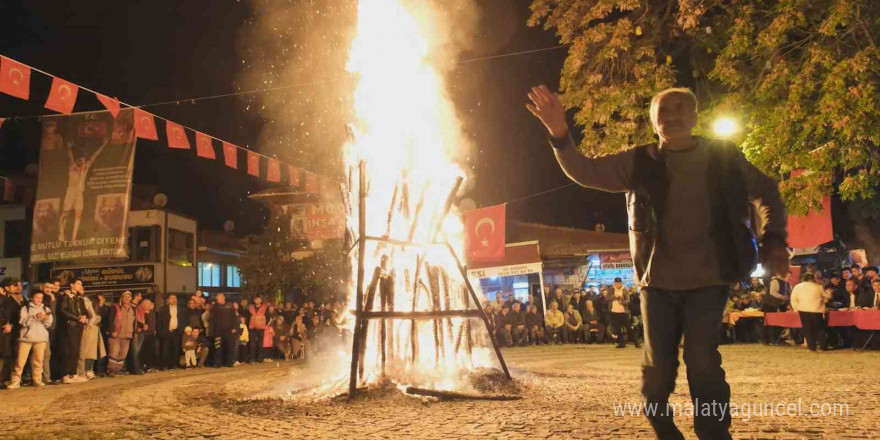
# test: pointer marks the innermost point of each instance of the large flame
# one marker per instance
(408, 136)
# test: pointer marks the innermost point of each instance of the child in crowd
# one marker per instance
(268, 341)
(189, 347)
(243, 338)
(201, 346)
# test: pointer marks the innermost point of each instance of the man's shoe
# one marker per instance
(638, 345)
(13, 385)
(90, 375)
(39, 384)
(620, 346)
(68, 380)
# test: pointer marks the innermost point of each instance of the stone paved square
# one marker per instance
(567, 392)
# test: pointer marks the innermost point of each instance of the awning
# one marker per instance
(519, 259)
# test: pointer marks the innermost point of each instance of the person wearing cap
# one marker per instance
(618, 317)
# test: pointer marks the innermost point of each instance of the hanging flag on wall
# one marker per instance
(485, 233)
(81, 214)
(15, 78)
(204, 147)
(62, 96)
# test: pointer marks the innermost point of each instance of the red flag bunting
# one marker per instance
(253, 164)
(111, 104)
(176, 136)
(293, 175)
(145, 125)
(62, 96)
(273, 173)
(15, 78)
(204, 146)
(230, 155)
(485, 230)
(311, 182)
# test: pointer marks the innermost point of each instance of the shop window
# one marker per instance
(209, 275)
(233, 277)
(181, 248)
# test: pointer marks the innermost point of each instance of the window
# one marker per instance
(209, 275)
(181, 246)
(233, 278)
(143, 243)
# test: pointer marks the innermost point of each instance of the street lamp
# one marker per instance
(725, 126)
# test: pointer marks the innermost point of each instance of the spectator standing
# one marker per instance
(121, 329)
(189, 347)
(92, 346)
(808, 300)
(243, 338)
(34, 320)
(169, 322)
(149, 345)
(618, 301)
(299, 341)
(72, 313)
(11, 303)
(257, 323)
(224, 325)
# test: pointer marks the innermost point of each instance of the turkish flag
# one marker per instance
(273, 173)
(484, 233)
(311, 182)
(813, 229)
(293, 175)
(15, 78)
(230, 155)
(253, 164)
(145, 125)
(111, 104)
(204, 146)
(176, 136)
(62, 96)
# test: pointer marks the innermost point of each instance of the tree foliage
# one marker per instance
(269, 267)
(800, 75)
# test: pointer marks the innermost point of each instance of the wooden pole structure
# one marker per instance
(359, 299)
(476, 300)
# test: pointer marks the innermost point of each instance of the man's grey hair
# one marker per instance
(655, 101)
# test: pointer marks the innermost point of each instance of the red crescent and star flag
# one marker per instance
(812, 229)
(62, 96)
(485, 233)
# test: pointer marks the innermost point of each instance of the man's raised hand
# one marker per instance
(547, 107)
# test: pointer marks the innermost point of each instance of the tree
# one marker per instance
(268, 267)
(800, 75)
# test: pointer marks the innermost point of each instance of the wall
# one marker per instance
(12, 212)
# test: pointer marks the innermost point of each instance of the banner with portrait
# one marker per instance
(84, 187)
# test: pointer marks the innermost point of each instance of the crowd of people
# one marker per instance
(93, 337)
(581, 316)
(63, 336)
(851, 288)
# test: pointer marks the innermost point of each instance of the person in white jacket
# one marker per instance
(35, 321)
(808, 299)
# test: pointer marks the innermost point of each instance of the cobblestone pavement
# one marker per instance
(567, 392)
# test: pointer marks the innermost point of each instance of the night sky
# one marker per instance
(151, 52)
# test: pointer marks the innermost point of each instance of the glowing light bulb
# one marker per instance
(725, 127)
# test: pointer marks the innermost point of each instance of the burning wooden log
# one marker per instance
(452, 395)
